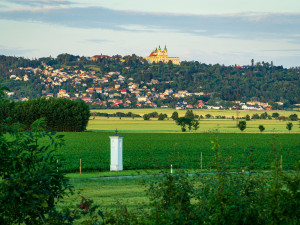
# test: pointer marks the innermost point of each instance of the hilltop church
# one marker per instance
(159, 55)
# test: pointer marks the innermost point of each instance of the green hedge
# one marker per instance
(61, 114)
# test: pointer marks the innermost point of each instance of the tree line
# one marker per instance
(61, 114)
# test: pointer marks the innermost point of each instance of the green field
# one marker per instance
(206, 125)
(160, 150)
(203, 112)
(126, 124)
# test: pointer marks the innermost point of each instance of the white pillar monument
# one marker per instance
(116, 152)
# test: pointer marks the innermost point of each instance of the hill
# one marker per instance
(136, 83)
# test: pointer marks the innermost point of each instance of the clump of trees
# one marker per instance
(188, 121)
(61, 114)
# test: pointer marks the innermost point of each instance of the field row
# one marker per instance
(160, 150)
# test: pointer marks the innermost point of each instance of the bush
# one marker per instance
(289, 126)
(293, 117)
(242, 125)
(162, 116)
(31, 184)
(146, 117)
(31, 179)
(261, 128)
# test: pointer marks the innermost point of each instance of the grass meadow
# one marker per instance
(206, 125)
(203, 112)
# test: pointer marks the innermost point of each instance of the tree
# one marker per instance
(174, 115)
(161, 116)
(2, 93)
(289, 126)
(264, 115)
(247, 117)
(146, 117)
(255, 116)
(293, 117)
(189, 115)
(195, 124)
(183, 122)
(207, 116)
(275, 115)
(30, 183)
(261, 128)
(242, 125)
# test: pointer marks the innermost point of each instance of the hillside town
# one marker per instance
(113, 90)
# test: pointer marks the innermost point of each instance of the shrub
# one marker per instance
(146, 117)
(261, 128)
(242, 125)
(289, 126)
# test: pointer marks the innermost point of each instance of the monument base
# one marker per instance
(116, 167)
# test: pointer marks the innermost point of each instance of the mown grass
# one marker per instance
(106, 193)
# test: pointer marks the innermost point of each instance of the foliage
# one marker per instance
(162, 116)
(242, 125)
(183, 122)
(146, 117)
(247, 117)
(189, 115)
(31, 179)
(293, 117)
(261, 128)
(61, 114)
(195, 124)
(275, 115)
(222, 197)
(174, 115)
(289, 126)
(31, 184)
(2, 92)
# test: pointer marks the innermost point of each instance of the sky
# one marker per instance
(227, 32)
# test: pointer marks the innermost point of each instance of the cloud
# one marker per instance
(15, 51)
(243, 26)
(39, 2)
(97, 40)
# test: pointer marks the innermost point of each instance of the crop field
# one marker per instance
(160, 150)
(206, 125)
